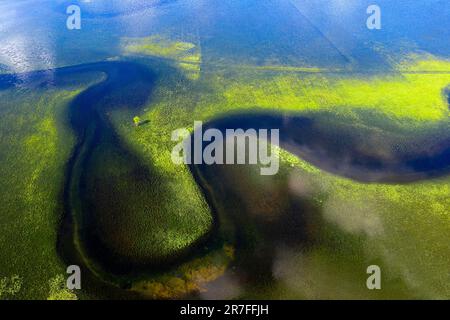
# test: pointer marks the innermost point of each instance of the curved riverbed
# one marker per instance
(88, 192)
(335, 147)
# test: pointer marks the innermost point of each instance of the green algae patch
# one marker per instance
(36, 144)
(10, 286)
(58, 289)
(412, 97)
(282, 68)
(423, 63)
(159, 47)
(189, 278)
(185, 55)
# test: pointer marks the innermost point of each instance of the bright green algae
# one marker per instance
(36, 144)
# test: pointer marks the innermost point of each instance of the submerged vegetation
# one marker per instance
(407, 106)
(190, 277)
(147, 209)
(186, 55)
(381, 221)
(35, 143)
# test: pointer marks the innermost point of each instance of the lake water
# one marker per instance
(331, 33)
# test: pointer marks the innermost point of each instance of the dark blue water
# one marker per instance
(335, 147)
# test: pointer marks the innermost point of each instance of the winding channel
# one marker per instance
(129, 85)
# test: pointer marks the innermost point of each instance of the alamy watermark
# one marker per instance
(374, 280)
(73, 21)
(74, 279)
(374, 20)
(236, 146)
